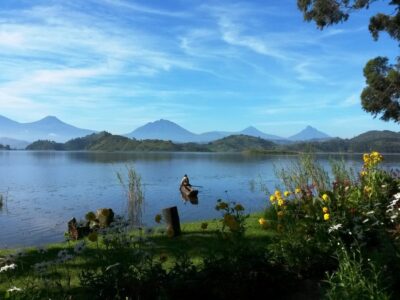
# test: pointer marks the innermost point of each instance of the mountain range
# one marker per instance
(48, 128)
(18, 135)
(167, 130)
(382, 141)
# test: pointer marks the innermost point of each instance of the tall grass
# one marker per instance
(355, 279)
(132, 184)
(304, 172)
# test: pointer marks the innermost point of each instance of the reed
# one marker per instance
(132, 184)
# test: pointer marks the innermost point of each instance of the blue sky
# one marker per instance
(206, 65)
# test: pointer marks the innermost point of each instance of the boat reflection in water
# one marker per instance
(189, 194)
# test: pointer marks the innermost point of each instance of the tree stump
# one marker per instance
(75, 231)
(171, 217)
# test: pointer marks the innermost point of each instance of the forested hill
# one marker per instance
(382, 141)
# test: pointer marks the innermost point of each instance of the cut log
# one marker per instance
(171, 217)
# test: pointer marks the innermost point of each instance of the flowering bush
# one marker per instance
(313, 221)
(233, 217)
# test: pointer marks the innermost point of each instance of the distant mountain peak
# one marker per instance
(309, 133)
(52, 119)
(162, 130)
(49, 127)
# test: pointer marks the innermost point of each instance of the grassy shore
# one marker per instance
(193, 242)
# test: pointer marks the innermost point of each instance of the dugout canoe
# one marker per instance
(188, 191)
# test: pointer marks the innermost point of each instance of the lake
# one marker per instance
(46, 189)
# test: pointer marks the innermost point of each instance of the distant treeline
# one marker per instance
(383, 141)
(6, 147)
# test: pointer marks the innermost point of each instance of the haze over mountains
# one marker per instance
(48, 128)
(18, 135)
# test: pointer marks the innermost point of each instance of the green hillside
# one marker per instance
(239, 143)
(45, 145)
(382, 141)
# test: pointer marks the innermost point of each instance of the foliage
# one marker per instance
(233, 218)
(382, 94)
(355, 279)
(134, 193)
(314, 222)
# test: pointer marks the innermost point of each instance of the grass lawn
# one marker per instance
(193, 242)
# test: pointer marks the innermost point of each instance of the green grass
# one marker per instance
(193, 242)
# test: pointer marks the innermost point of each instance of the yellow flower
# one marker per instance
(363, 173)
(204, 225)
(158, 218)
(281, 202)
(286, 193)
(325, 197)
(278, 194)
(366, 158)
(326, 217)
(262, 221)
(325, 209)
(92, 236)
(280, 214)
(297, 190)
(239, 207)
(272, 198)
(367, 189)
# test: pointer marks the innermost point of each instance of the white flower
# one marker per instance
(370, 212)
(366, 220)
(397, 196)
(334, 227)
(7, 267)
(14, 289)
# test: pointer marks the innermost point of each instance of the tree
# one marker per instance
(381, 96)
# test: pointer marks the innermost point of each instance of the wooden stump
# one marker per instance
(171, 217)
(75, 231)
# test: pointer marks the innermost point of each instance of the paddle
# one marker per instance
(199, 186)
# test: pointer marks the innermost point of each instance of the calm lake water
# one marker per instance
(46, 189)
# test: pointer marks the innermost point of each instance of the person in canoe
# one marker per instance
(186, 188)
(185, 183)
